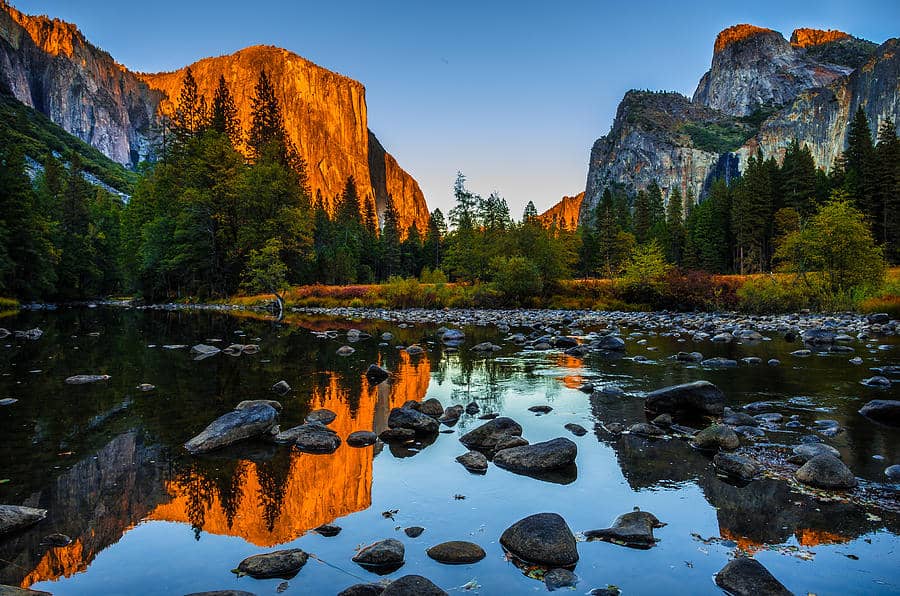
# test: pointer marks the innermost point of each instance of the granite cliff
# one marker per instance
(761, 92)
(48, 64)
(564, 214)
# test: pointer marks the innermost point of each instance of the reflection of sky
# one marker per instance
(164, 558)
(512, 93)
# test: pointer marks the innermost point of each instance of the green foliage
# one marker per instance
(718, 137)
(774, 295)
(835, 248)
(647, 265)
(266, 271)
(517, 278)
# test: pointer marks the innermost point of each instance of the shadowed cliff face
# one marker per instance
(49, 65)
(564, 214)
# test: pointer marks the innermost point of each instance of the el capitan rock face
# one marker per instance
(808, 89)
(564, 214)
(49, 65)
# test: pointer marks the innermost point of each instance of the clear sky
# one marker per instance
(512, 93)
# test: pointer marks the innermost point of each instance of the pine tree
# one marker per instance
(709, 241)
(390, 241)
(886, 189)
(190, 116)
(411, 252)
(798, 178)
(530, 212)
(857, 165)
(675, 227)
(751, 216)
(267, 136)
(434, 240)
(224, 115)
(642, 217)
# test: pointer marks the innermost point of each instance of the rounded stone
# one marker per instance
(456, 552)
(541, 539)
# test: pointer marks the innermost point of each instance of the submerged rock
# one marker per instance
(376, 374)
(576, 429)
(311, 438)
(486, 437)
(826, 471)
(474, 461)
(456, 552)
(232, 427)
(321, 416)
(541, 539)
(328, 530)
(201, 351)
(345, 351)
(361, 438)
(85, 379)
(15, 517)
(284, 564)
(634, 529)
(537, 457)
(806, 451)
(384, 555)
(699, 397)
(736, 466)
(558, 578)
(414, 531)
(281, 388)
(744, 576)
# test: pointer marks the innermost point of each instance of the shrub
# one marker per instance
(8, 303)
(516, 278)
(773, 295)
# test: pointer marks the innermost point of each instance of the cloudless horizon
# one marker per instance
(511, 94)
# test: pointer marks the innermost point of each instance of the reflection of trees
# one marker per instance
(273, 477)
(198, 490)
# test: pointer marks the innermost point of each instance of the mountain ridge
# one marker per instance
(684, 142)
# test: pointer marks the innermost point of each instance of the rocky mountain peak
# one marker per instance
(564, 214)
(755, 68)
(804, 37)
(741, 33)
(53, 36)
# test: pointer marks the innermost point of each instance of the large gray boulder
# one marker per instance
(17, 517)
(826, 471)
(744, 576)
(421, 424)
(885, 411)
(283, 564)
(538, 457)
(699, 397)
(541, 539)
(232, 427)
(486, 437)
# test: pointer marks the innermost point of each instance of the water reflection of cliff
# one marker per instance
(266, 500)
(95, 502)
(275, 501)
(761, 513)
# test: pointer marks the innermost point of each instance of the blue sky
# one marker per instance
(511, 93)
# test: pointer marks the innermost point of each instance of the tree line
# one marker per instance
(226, 208)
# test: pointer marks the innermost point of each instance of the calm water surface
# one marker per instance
(106, 461)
